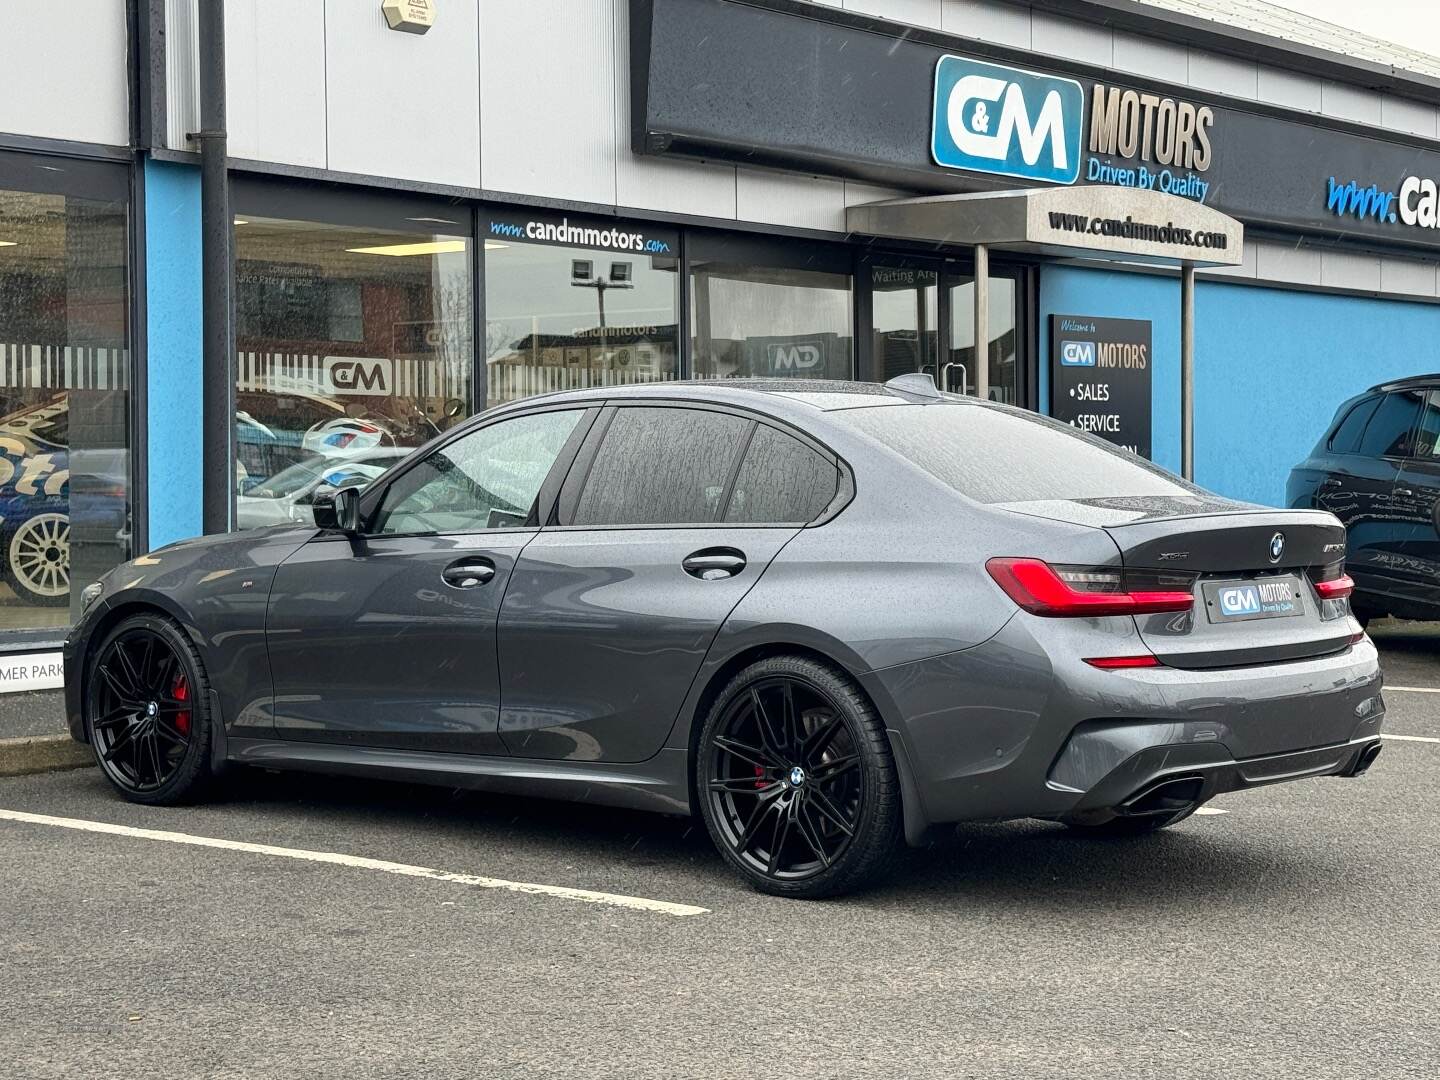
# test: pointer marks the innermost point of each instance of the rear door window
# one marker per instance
(1346, 439)
(1427, 435)
(780, 481)
(662, 466)
(1391, 429)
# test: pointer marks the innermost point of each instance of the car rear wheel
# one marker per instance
(147, 712)
(796, 781)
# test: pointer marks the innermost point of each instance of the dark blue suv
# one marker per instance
(1377, 469)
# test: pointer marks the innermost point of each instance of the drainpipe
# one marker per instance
(1187, 371)
(218, 395)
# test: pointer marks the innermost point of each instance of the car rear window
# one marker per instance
(995, 454)
(1346, 439)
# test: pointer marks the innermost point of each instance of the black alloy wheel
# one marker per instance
(796, 781)
(146, 711)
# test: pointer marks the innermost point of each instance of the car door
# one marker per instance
(669, 516)
(1360, 491)
(387, 639)
(1417, 491)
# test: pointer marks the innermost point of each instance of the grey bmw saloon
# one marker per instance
(824, 617)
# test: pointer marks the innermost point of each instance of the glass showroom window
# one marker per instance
(353, 324)
(571, 303)
(1004, 372)
(763, 309)
(64, 385)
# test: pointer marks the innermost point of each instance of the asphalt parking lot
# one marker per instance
(1294, 935)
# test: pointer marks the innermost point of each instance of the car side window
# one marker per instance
(661, 466)
(1427, 435)
(1346, 439)
(1390, 430)
(781, 480)
(488, 479)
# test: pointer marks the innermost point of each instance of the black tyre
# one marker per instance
(796, 781)
(147, 712)
(1135, 826)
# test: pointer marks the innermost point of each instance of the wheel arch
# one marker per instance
(718, 673)
(117, 612)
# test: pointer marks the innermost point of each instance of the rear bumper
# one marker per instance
(1005, 731)
(1162, 778)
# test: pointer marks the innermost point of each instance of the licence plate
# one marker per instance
(1240, 601)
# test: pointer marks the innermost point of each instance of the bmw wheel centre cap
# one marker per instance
(797, 776)
(1277, 547)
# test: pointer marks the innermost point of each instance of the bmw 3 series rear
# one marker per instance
(1155, 645)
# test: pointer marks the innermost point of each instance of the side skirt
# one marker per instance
(659, 785)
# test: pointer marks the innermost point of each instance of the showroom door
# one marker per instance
(388, 639)
(670, 515)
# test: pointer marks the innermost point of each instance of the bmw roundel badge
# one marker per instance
(1277, 547)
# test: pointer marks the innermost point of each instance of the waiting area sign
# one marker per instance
(1100, 377)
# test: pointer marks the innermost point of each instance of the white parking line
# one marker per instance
(1408, 738)
(1210, 810)
(1416, 689)
(638, 903)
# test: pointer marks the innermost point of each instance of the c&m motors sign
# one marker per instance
(1006, 121)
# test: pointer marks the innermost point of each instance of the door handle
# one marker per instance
(714, 564)
(467, 574)
(1330, 482)
(1404, 493)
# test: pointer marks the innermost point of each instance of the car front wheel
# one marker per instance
(147, 712)
(796, 781)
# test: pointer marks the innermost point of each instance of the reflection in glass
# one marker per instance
(959, 370)
(903, 312)
(754, 320)
(64, 408)
(352, 340)
(563, 318)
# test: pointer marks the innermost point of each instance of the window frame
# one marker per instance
(563, 509)
(373, 497)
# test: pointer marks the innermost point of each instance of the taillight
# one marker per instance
(1112, 663)
(1063, 591)
(1336, 588)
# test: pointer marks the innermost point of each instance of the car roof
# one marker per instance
(1410, 382)
(822, 395)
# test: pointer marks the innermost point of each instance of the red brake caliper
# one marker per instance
(759, 777)
(182, 693)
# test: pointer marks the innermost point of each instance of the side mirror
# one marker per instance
(337, 509)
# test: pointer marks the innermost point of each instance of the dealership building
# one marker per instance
(437, 206)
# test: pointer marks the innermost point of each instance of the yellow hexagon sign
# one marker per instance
(411, 16)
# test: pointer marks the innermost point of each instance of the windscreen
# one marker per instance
(995, 454)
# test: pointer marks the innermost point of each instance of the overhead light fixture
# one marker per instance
(494, 245)
(8, 243)
(432, 220)
(431, 247)
(241, 221)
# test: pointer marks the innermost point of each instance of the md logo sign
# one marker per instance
(367, 375)
(1006, 121)
(786, 358)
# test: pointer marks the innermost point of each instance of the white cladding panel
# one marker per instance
(403, 105)
(63, 70)
(275, 81)
(917, 12)
(547, 98)
(778, 198)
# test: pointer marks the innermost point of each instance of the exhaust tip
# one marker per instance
(1165, 797)
(1367, 758)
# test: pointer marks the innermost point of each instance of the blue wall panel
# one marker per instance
(1271, 365)
(174, 344)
